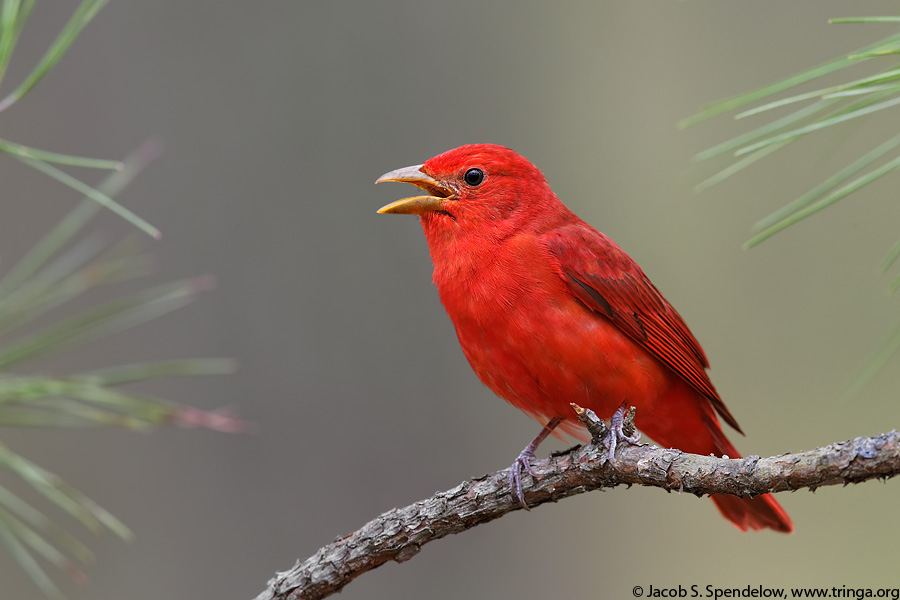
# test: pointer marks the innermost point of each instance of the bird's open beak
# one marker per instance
(416, 205)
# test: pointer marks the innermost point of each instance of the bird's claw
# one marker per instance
(522, 462)
(617, 434)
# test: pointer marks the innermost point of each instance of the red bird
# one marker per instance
(550, 311)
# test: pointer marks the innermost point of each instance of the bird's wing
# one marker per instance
(606, 280)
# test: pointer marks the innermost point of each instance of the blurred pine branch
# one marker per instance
(821, 109)
(13, 15)
(61, 266)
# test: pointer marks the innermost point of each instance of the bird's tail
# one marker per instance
(691, 426)
(761, 512)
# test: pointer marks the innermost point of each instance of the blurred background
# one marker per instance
(277, 117)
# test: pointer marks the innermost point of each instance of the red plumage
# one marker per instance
(549, 311)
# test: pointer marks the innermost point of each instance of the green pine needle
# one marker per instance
(738, 166)
(78, 218)
(61, 159)
(92, 193)
(103, 321)
(123, 374)
(866, 20)
(857, 97)
(864, 85)
(39, 522)
(890, 258)
(79, 506)
(795, 133)
(764, 130)
(59, 268)
(827, 185)
(811, 209)
(787, 83)
(22, 556)
(38, 544)
(86, 11)
(873, 365)
(861, 91)
(13, 15)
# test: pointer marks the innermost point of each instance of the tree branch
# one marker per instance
(399, 533)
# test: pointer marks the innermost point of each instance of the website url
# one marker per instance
(750, 591)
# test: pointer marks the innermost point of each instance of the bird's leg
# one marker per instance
(524, 460)
(617, 433)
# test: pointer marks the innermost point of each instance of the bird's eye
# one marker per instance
(473, 177)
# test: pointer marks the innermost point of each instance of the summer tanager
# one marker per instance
(550, 311)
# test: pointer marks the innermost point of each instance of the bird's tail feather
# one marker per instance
(760, 512)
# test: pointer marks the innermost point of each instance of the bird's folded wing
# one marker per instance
(606, 280)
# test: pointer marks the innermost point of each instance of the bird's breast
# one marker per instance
(533, 343)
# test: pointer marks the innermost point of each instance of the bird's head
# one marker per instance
(474, 187)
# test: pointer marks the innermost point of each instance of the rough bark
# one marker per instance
(399, 533)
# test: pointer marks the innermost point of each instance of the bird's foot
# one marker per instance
(621, 429)
(522, 463)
